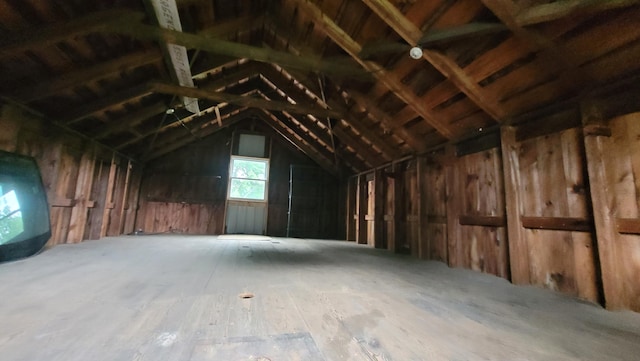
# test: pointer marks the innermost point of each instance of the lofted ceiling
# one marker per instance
(332, 77)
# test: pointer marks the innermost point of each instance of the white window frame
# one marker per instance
(266, 181)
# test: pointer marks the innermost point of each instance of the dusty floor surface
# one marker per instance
(177, 298)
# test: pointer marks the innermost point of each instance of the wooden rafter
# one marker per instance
(111, 101)
(507, 12)
(278, 79)
(303, 84)
(298, 141)
(180, 140)
(131, 119)
(410, 139)
(238, 50)
(563, 8)
(376, 113)
(395, 85)
(167, 88)
(434, 37)
(445, 65)
(63, 82)
(52, 34)
(368, 154)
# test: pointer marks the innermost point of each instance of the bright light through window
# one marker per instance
(248, 179)
(11, 224)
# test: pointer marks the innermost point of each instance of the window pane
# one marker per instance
(11, 224)
(249, 169)
(247, 189)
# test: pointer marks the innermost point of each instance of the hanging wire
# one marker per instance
(333, 142)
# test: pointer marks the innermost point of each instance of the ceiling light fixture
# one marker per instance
(415, 52)
(170, 111)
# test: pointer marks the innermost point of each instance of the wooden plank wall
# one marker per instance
(75, 175)
(559, 211)
(185, 190)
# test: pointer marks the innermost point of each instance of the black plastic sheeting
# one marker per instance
(24, 212)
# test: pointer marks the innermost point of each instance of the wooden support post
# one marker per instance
(79, 212)
(398, 214)
(125, 199)
(518, 249)
(424, 238)
(351, 204)
(378, 208)
(361, 210)
(454, 194)
(603, 199)
(108, 203)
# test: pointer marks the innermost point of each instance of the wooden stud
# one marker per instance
(518, 249)
(379, 208)
(603, 200)
(454, 207)
(79, 212)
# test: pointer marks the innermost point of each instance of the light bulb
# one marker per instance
(415, 52)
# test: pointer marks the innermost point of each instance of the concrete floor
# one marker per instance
(177, 298)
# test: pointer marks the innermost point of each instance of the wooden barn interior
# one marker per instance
(433, 180)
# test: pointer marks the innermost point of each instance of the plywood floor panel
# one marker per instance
(172, 297)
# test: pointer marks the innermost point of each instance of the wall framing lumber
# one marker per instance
(518, 249)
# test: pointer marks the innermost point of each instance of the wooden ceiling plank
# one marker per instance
(560, 9)
(283, 84)
(548, 53)
(348, 44)
(275, 71)
(298, 141)
(50, 35)
(447, 66)
(103, 104)
(167, 88)
(131, 119)
(217, 46)
(433, 37)
(465, 31)
(376, 113)
(182, 140)
(104, 70)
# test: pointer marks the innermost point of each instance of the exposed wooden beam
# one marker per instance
(111, 101)
(166, 88)
(395, 85)
(299, 142)
(63, 82)
(433, 37)
(507, 11)
(223, 47)
(302, 83)
(243, 23)
(563, 8)
(376, 113)
(181, 141)
(459, 32)
(132, 119)
(284, 84)
(50, 35)
(445, 65)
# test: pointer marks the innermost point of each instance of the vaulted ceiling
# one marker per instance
(332, 77)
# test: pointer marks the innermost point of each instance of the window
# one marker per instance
(11, 224)
(248, 178)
